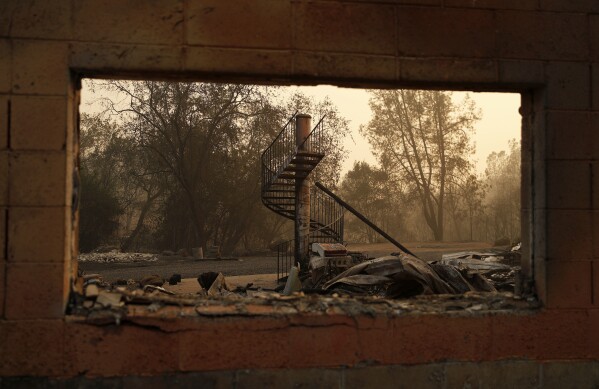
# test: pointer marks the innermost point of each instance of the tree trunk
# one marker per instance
(126, 245)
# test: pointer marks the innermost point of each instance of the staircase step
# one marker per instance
(309, 154)
(279, 197)
(279, 191)
(295, 168)
(282, 205)
(302, 161)
(292, 176)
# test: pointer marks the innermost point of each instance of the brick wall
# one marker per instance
(546, 49)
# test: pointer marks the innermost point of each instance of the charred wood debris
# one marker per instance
(336, 281)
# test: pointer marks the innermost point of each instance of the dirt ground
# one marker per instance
(190, 268)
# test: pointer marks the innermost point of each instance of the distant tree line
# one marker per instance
(166, 166)
(426, 186)
(177, 165)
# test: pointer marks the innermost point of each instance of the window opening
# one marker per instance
(208, 190)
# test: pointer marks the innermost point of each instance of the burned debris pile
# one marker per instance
(400, 275)
(334, 275)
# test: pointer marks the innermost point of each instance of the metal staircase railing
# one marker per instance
(282, 164)
(326, 218)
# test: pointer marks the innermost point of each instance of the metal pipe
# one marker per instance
(302, 193)
(364, 219)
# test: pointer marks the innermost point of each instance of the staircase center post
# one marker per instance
(303, 125)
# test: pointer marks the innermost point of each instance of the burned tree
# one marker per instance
(424, 137)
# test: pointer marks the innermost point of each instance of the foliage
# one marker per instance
(367, 189)
(100, 207)
(423, 137)
(190, 173)
(502, 202)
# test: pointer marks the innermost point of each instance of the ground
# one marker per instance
(190, 268)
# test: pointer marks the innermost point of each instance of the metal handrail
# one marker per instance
(315, 133)
(275, 157)
(292, 118)
(326, 213)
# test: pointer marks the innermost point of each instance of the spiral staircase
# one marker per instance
(283, 163)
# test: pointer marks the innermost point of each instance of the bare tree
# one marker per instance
(502, 201)
(425, 138)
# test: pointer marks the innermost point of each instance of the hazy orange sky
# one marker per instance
(500, 120)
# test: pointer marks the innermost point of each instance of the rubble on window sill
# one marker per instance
(259, 304)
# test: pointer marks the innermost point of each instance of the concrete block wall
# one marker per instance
(546, 49)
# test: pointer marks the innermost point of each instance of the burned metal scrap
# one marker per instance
(403, 276)
(499, 266)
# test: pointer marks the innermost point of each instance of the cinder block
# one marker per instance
(521, 72)
(512, 336)
(448, 70)
(594, 34)
(241, 23)
(129, 21)
(40, 67)
(456, 338)
(126, 57)
(37, 234)
(246, 62)
(2, 286)
(208, 379)
(538, 244)
(568, 184)
(595, 87)
(568, 85)
(344, 66)
(195, 348)
(526, 184)
(38, 123)
(35, 291)
(510, 374)
(322, 341)
(595, 275)
(4, 114)
(595, 138)
(593, 338)
(3, 233)
(570, 374)
(569, 331)
(414, 2)
(38, 178)
(32, 348)
(288, 378)
(538, 36)
(427, 376)
(568, 134)
(596, 234)
(4, 182)
(526, 252)
(122, 350)
(595, 187)
(584, 6)
(569, 235)
(40, 19)
(539, 190)
(344, 27)
(494, 4)
(5, 66)
(569, 284)
(445, 32)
